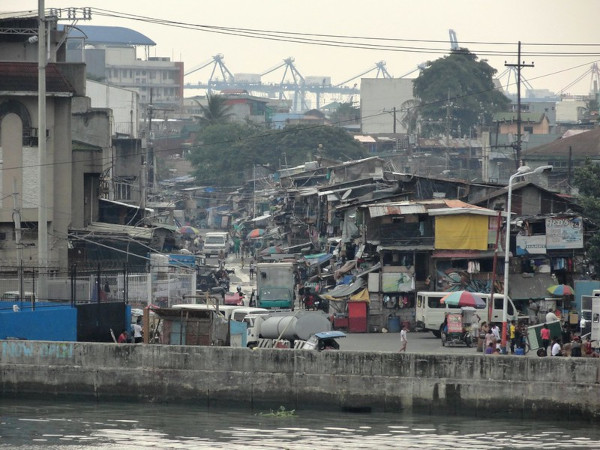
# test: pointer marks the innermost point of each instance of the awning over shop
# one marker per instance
(373, 268)
(344, 290)
(260, 218)
(526, 288)
(465, 254)
(362, 296)
(318, 259)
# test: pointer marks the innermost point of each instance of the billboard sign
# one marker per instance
(564, 233)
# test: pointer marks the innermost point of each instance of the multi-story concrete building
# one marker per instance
(111, 55)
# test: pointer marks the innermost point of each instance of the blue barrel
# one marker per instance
(394, 324)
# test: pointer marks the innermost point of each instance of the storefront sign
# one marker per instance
(564, 232)
(531, 245)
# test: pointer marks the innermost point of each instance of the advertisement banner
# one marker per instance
(397, 282)
(454, 323)
(531, 245)
(564, 232)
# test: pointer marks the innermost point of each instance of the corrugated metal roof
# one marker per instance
(389, 210)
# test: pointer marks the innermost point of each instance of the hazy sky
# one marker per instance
(480, 25)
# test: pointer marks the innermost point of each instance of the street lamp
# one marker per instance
(521, 172)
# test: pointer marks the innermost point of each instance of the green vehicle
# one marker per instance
(276, 285)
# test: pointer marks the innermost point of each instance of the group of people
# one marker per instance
(565, 345)
(490, 340)
(136, 332)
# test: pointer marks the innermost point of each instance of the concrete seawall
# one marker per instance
(521, 386)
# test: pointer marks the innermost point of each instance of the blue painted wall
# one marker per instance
(584, 287)
(48, 323)
(239, 328)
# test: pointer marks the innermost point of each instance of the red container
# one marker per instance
(357, 317)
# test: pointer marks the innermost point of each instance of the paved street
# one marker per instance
(385, 342)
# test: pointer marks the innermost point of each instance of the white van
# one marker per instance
(430, 311)
(215, 242)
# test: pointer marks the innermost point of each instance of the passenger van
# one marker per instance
(430, 312)
(215, 242)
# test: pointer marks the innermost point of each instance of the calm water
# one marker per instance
(81, 425)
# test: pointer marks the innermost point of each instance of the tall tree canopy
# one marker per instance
(587, 180)
(225, 153)
(469, 85)
(215, 111)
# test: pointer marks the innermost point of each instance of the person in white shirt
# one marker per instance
(496, 332)
(137, 332)
(403, 340)
(551, 317)
(556, 348)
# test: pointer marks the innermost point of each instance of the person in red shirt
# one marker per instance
(545, 334)
(123, 337)
(588, 350)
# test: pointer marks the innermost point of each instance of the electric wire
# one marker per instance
(329, 39)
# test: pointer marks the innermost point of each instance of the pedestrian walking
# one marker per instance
(403, 339)
(475, 325)
(545, 335)
(496, 332)
(252, 268)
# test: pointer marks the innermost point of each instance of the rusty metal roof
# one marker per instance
(23, 77)
(421, 207)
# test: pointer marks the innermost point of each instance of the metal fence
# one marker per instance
(162, 289)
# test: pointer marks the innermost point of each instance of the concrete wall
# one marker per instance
(521, 386)
(383, 94)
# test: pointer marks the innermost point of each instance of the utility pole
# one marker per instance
(42, 293)
(517, 144)
(394, 120)
(17, 220)
(448, 104)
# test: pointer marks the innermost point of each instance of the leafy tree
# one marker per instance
(215, 111)
(469, 84)
(226, 153)
(587, 180)
(345, 114)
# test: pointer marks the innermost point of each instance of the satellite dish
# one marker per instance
(346, 194)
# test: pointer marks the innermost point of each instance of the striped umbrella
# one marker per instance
(561, 289)
(463, 298)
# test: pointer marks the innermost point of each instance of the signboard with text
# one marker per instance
(531, 245)
(564, 233)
